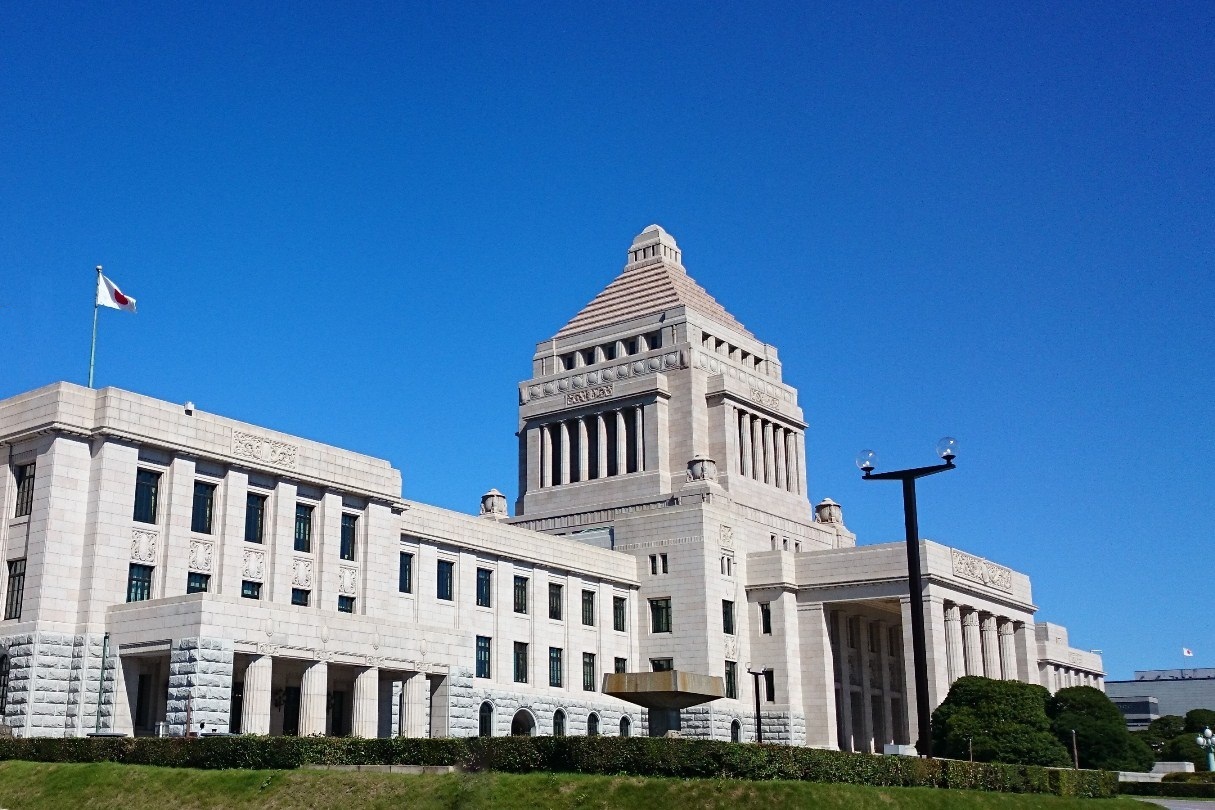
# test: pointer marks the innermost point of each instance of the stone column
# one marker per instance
(366, 703)
(991, 647)
(778, 449)
(622, 434)
(584, 465)
(601, 431)
(546, 455)
(791, 474)
(891, 723)
(564, 433)
(972, 646)
(744, 440)
(757, 449)
(255, 710)
(953, 642)
(639, 438)
(314, 696)
(769, 454)
(801, 464)
(818, 678)
(846, 744)
(415, 697)
(1027, 652)
(868, 733)
(1008, 650)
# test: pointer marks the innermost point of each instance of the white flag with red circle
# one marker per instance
(108, 295)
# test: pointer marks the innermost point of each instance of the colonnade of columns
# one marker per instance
(870, 700)
(368, 717)
(769, 452)
(980, 643)
(1060, 676)
(596, 445)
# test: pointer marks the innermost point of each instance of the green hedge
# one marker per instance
(639, 756)
(1188, 790)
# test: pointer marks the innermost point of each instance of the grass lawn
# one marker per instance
(137, 787)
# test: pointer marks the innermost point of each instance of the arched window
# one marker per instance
(4, 662)
(523, 724)
(486, 726)
(626, 727)
(559, 723)
(592, 725)
(735, 731)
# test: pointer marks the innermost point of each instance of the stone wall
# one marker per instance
(200, 684)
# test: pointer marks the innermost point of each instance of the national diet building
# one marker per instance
(171, 571)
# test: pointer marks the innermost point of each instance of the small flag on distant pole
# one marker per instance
(1187, 652)
(108, 295)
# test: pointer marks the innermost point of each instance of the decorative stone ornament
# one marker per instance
(201, 555)
(828, 511)
(493, 505)
(254, 567)
(702, 468)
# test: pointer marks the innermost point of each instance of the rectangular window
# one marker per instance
(588, 672)
(662, 664)
(139, 582)
(483, 657)
(554, 601)
(663, 558)
(520, 594)
(25, 489)
(621, 664)
(16, 589)
(405, 573)
(250, 589)
(660, 615)
(731, 679)
(727, 617)
(345, 604)
(204, 507)
(300, 597)
(147, 487)
(765, 618)
(197, 583)
(520, 662)
(618, 610)
(485, 587)
(446, 570)
(349, 523)
(653, 563)
(303, 527)
(770, 685)
(555, 674)
(588, 608)
(255, 517)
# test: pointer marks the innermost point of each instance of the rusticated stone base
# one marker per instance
(200, 685)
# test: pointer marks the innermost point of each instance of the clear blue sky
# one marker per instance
(354, 221)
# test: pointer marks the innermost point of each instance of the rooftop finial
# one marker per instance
(655, 243)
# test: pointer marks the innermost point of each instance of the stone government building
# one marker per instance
(170, 570)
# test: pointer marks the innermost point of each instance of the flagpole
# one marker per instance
(93, 350)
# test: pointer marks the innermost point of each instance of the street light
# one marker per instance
(756, 674)
(947, 449)
(1207, 740)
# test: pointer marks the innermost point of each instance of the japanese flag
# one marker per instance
(108, 295)
(1187, 652)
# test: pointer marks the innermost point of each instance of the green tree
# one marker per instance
(1183, 748)
(1198, 719)
(1005, 720)
(1101, 736)
(1160, 732)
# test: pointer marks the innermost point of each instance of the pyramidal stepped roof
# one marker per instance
(653, 280)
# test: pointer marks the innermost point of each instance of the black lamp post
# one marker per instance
(756, 674)
(947, 449)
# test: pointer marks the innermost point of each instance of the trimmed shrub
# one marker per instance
(637, 756)
(1187, 790)
(1004, 721)
(1102, 740)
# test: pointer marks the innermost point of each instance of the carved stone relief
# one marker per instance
(301, 573)
(260, 448)
(985, 572)
(201, 555)
(732, 648)
(143, 546)
(347, 577)
(727, 537)
(254, 566)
